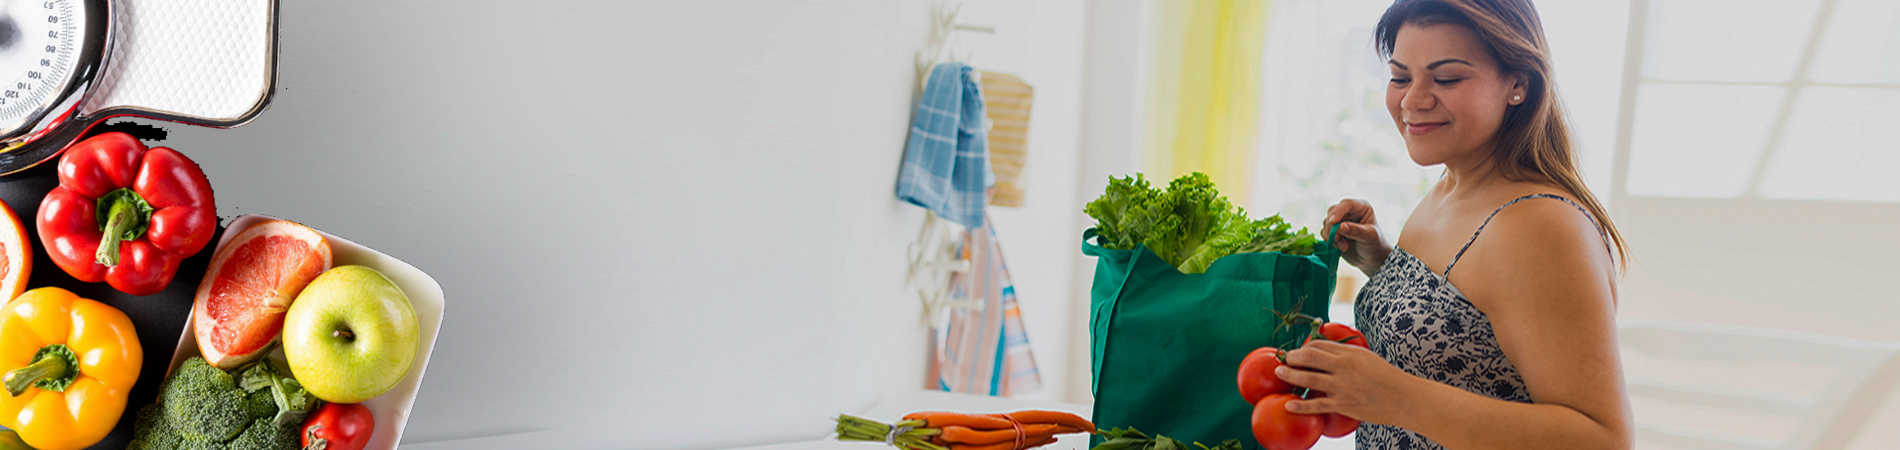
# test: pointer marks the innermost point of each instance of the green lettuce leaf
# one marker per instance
(1188, 224)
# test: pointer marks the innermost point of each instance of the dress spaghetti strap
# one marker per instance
(1494, 214)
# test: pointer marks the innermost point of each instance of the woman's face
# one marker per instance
(1447, 95)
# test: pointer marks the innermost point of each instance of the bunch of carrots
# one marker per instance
(948, 430)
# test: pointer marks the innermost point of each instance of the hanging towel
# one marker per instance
(1006, 99)
(946, 159)
(984, 350)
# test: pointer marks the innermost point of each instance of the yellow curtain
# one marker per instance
(1204, 92)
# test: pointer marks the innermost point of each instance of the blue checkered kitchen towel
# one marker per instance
(946, 159)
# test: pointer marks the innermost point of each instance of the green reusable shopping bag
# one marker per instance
(1166, 346)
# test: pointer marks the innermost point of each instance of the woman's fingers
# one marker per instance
(1348, 210)
(1310, 379)
(1354, 217)
(1327, 346)
(1320, 405)
(1359, 232)
(1314, 355)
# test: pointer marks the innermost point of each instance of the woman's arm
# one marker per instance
(1542, 276)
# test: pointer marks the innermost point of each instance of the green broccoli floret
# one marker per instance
(151, 431)
(265, 434)
(260, 404)
(204, 405)
(184, 443)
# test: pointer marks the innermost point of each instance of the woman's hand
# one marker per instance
(1357, 382)
(1359, 239)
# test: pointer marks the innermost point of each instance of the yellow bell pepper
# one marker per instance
(69, 364)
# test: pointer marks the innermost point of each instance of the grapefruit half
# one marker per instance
(16, 256)
(239, 310)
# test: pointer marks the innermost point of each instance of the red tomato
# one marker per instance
(1256, 375)
(1339, 332)
(1336, 424)
(338, 426)
(1279, 429)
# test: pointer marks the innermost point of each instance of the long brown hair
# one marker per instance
(1534, 143)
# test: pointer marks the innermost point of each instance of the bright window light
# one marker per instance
(1744, 99)
(1726, 40)
(1839, 146)
(1862, 44)
(1699, 140)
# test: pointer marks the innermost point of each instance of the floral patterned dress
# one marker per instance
(1423, 325)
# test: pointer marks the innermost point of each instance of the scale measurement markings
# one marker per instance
(54, 63)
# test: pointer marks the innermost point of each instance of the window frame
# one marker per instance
(1751, 205)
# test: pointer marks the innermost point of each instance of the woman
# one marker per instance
(1516, 348)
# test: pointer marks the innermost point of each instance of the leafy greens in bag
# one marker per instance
(1189, 224)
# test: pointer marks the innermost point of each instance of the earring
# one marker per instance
(1516, 98)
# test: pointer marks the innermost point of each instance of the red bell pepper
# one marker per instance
(126, 214)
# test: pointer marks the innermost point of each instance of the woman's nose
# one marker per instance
(1418, 98)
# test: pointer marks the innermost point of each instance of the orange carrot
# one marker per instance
(1031, 442)
(940, 419)
(1057, 417)
(966, 435)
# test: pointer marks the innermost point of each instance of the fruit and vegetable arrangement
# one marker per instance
(129, 216)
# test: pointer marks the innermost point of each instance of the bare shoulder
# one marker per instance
(1545, 226)
(1538, 249)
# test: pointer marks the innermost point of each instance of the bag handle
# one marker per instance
(1088, 243)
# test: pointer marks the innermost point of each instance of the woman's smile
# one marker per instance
(1420, 128)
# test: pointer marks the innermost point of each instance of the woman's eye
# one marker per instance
(1401, 81)
(1449, 81)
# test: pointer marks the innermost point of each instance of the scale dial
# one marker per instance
(50, 51)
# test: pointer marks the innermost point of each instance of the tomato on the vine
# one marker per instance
(1279, 429)
(1341, 333)
(1256, 376)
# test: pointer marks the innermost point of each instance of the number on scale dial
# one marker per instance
(39, 43)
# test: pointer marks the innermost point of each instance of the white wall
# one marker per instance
(1112, 139)
(658, 224)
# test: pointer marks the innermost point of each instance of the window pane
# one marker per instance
(1838, 146)
(1862, 44)
(1726, 40)
(1699, 140)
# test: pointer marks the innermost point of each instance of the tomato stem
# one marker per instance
(125, 214)
(54, 367)
(316, 443)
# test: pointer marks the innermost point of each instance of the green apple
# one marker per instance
(350, 335)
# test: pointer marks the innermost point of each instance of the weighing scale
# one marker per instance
(67, 65)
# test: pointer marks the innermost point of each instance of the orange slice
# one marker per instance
(16, 256)
(253, 277)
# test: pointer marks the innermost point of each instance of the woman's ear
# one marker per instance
(1520, 86)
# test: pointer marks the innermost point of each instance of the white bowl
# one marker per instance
(392, 408)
